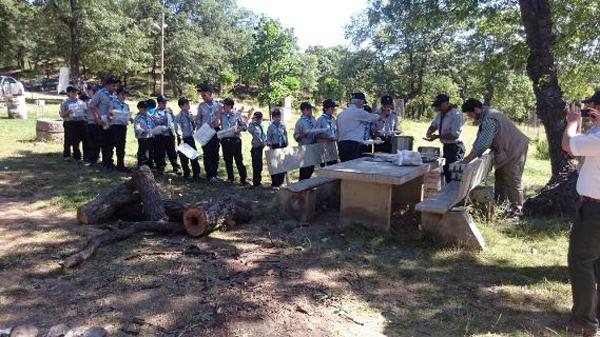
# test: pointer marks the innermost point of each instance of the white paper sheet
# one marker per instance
(188, 151)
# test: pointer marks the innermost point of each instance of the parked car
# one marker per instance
(44, 84)
(10, 87)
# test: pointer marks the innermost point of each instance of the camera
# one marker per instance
(585, 112)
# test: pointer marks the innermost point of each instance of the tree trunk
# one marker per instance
(129, 229)
(134, 211)
(210, 215)
(537, 21)
(75, 56)
(153, 208)
(102, 208)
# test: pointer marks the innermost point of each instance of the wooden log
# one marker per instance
(102, 208)
(133, 211)
(152, 205)
(213, 214)
(160, 227)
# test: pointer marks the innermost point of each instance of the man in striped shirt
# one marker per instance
(509, 146)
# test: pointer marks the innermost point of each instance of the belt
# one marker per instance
(588, 200)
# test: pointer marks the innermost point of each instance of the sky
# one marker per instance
(315, 22)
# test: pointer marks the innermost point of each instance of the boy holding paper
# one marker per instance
(184, 128)
(305, 134)
(209, 112)
(72, 111)
(143, 126)
(277, 139)
(232, 125)
(164, 142)
(119, 114)
(258, 144)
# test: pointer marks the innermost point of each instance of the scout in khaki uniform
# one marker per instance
(509, 146)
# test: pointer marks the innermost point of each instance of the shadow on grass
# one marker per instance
(255, 276)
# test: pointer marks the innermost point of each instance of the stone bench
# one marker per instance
(299, 200)
(447, 224)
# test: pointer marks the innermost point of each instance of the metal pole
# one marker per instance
(162, 53)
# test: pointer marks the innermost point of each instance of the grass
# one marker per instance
(514, 288)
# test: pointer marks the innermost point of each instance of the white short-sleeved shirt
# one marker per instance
(588, 146)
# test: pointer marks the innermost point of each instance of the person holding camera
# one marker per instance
(584, 250)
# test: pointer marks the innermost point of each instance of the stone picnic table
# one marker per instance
(370, 189)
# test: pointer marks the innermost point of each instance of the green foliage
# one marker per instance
(542, 150)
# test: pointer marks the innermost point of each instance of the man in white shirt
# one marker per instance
(350, 127)
(584, 247)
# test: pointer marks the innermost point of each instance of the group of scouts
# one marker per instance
(98, 120)
(100, 123)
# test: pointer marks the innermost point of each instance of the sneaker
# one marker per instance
(214, 180)
(177, 171)
(244, 182)
(67, 159)
(123, 169)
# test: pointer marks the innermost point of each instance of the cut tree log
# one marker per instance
(102, 208)
(133, 211)
(206, 216)
(152, 205)
(160, 227)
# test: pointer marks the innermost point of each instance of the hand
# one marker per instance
(573, 113)
(595, 116)
(98, 120)
(69, 111)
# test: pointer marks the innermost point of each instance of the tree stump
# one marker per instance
(210, 215)
(102, 208)
(152, 205)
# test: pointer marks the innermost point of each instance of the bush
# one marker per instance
(190, 91)
(542, 150)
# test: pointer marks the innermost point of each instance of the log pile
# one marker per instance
(139, 207)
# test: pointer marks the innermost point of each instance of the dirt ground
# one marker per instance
(238, 283)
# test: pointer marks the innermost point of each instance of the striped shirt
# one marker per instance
(165, 117)
(485, 135)
(101, 101)
(77, 106)
(143, 125)
(233, 120)
(303, 125)
(119, 113)
(326, 121)
(207, 113)
(277, 135)
(185, 124)
(258, 134)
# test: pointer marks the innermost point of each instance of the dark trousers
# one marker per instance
(306, 172)
(145, 149)
(106, 147)
(118, 137)
(329, 163)
(185, 160)
(93, 144)
(349, 150)
(232, 150)
(584, 263)
(386, 146)
(211, 157)
(452, 153)
(277, 179)
(257, 164)
(75, 133)
(165, 146)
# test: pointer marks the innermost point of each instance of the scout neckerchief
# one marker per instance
(329, 120)
(229, 117)
(280, 133)
(190, 120)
